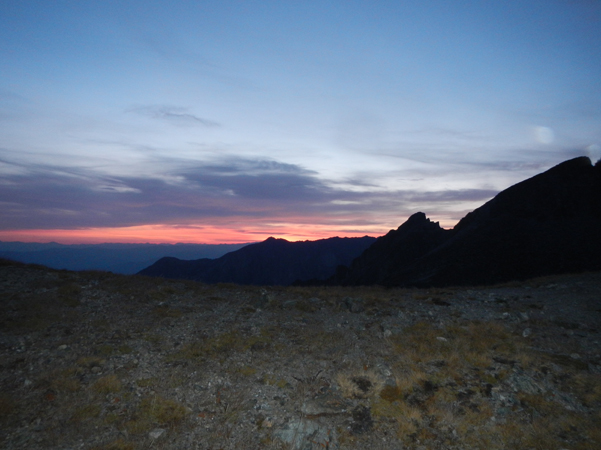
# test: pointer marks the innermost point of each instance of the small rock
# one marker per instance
(27, 383)
(267, 423)
(527, 332)
(96, 369)
(354, 305)
(323, 405)
(62, 347)
(298, 433)
(441, 339)
(289, 304)
(387, 333)
(157, 433)
(575, 356)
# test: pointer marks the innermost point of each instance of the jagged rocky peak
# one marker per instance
(419, 220)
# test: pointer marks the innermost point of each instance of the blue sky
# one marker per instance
(233, 121)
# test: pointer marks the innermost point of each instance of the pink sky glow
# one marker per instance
(171, 235)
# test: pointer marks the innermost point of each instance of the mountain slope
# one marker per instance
(548, 224)
(394, 251)
(271, 262)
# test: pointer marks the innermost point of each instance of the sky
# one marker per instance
(232, 121)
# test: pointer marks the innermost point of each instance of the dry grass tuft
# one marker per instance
(359, 384)
(69, 294)
(162, 410)
(90, 361)
(85, 412)
(7, 405)
(119, 444)
(107, 385)
(587, 386)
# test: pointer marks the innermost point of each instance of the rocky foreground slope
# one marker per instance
(101, 361)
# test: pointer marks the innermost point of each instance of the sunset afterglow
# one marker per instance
(226, 122)
(155, 234)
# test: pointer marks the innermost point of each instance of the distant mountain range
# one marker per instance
(271, 262)
(117, 258)
(548, 224)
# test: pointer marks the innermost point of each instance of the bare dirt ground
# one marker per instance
(94, 360)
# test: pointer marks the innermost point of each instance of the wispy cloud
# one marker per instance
(240, 190)
(173, 114)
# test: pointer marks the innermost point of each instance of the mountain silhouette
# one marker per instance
(548, 224)
(400, 247)
(271, 262)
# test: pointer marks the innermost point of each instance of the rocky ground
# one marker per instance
(94, 360)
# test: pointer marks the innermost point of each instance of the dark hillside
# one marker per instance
(271, 262)
(548, 224)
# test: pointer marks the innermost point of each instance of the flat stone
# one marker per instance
(324, 405)
(157, 433)
(306, 435)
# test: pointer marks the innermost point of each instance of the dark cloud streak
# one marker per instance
(51, 198)
(172, 114)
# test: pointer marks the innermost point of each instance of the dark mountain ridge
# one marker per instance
(548, 224)
(271, 262)
(414, 238)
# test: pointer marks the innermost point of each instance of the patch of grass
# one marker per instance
(459, 346)
(124, 349)
(153, 411)
(566, 361)
(246, 371)
(147, 382)
(305, 306)
(65, 380)
(111, 418)
(359, 384)
(69, 294)
(7, 405)
(107, 350)
(119, 444)
(86, 412)
(138, 425)
(163, 411)
(106, 385)
(391, 393)
(587, 386)
(167, 312)
(90, 361)
(154, 339)
(222, 345)
(274, 381)
(100, 325)
(408, 418)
